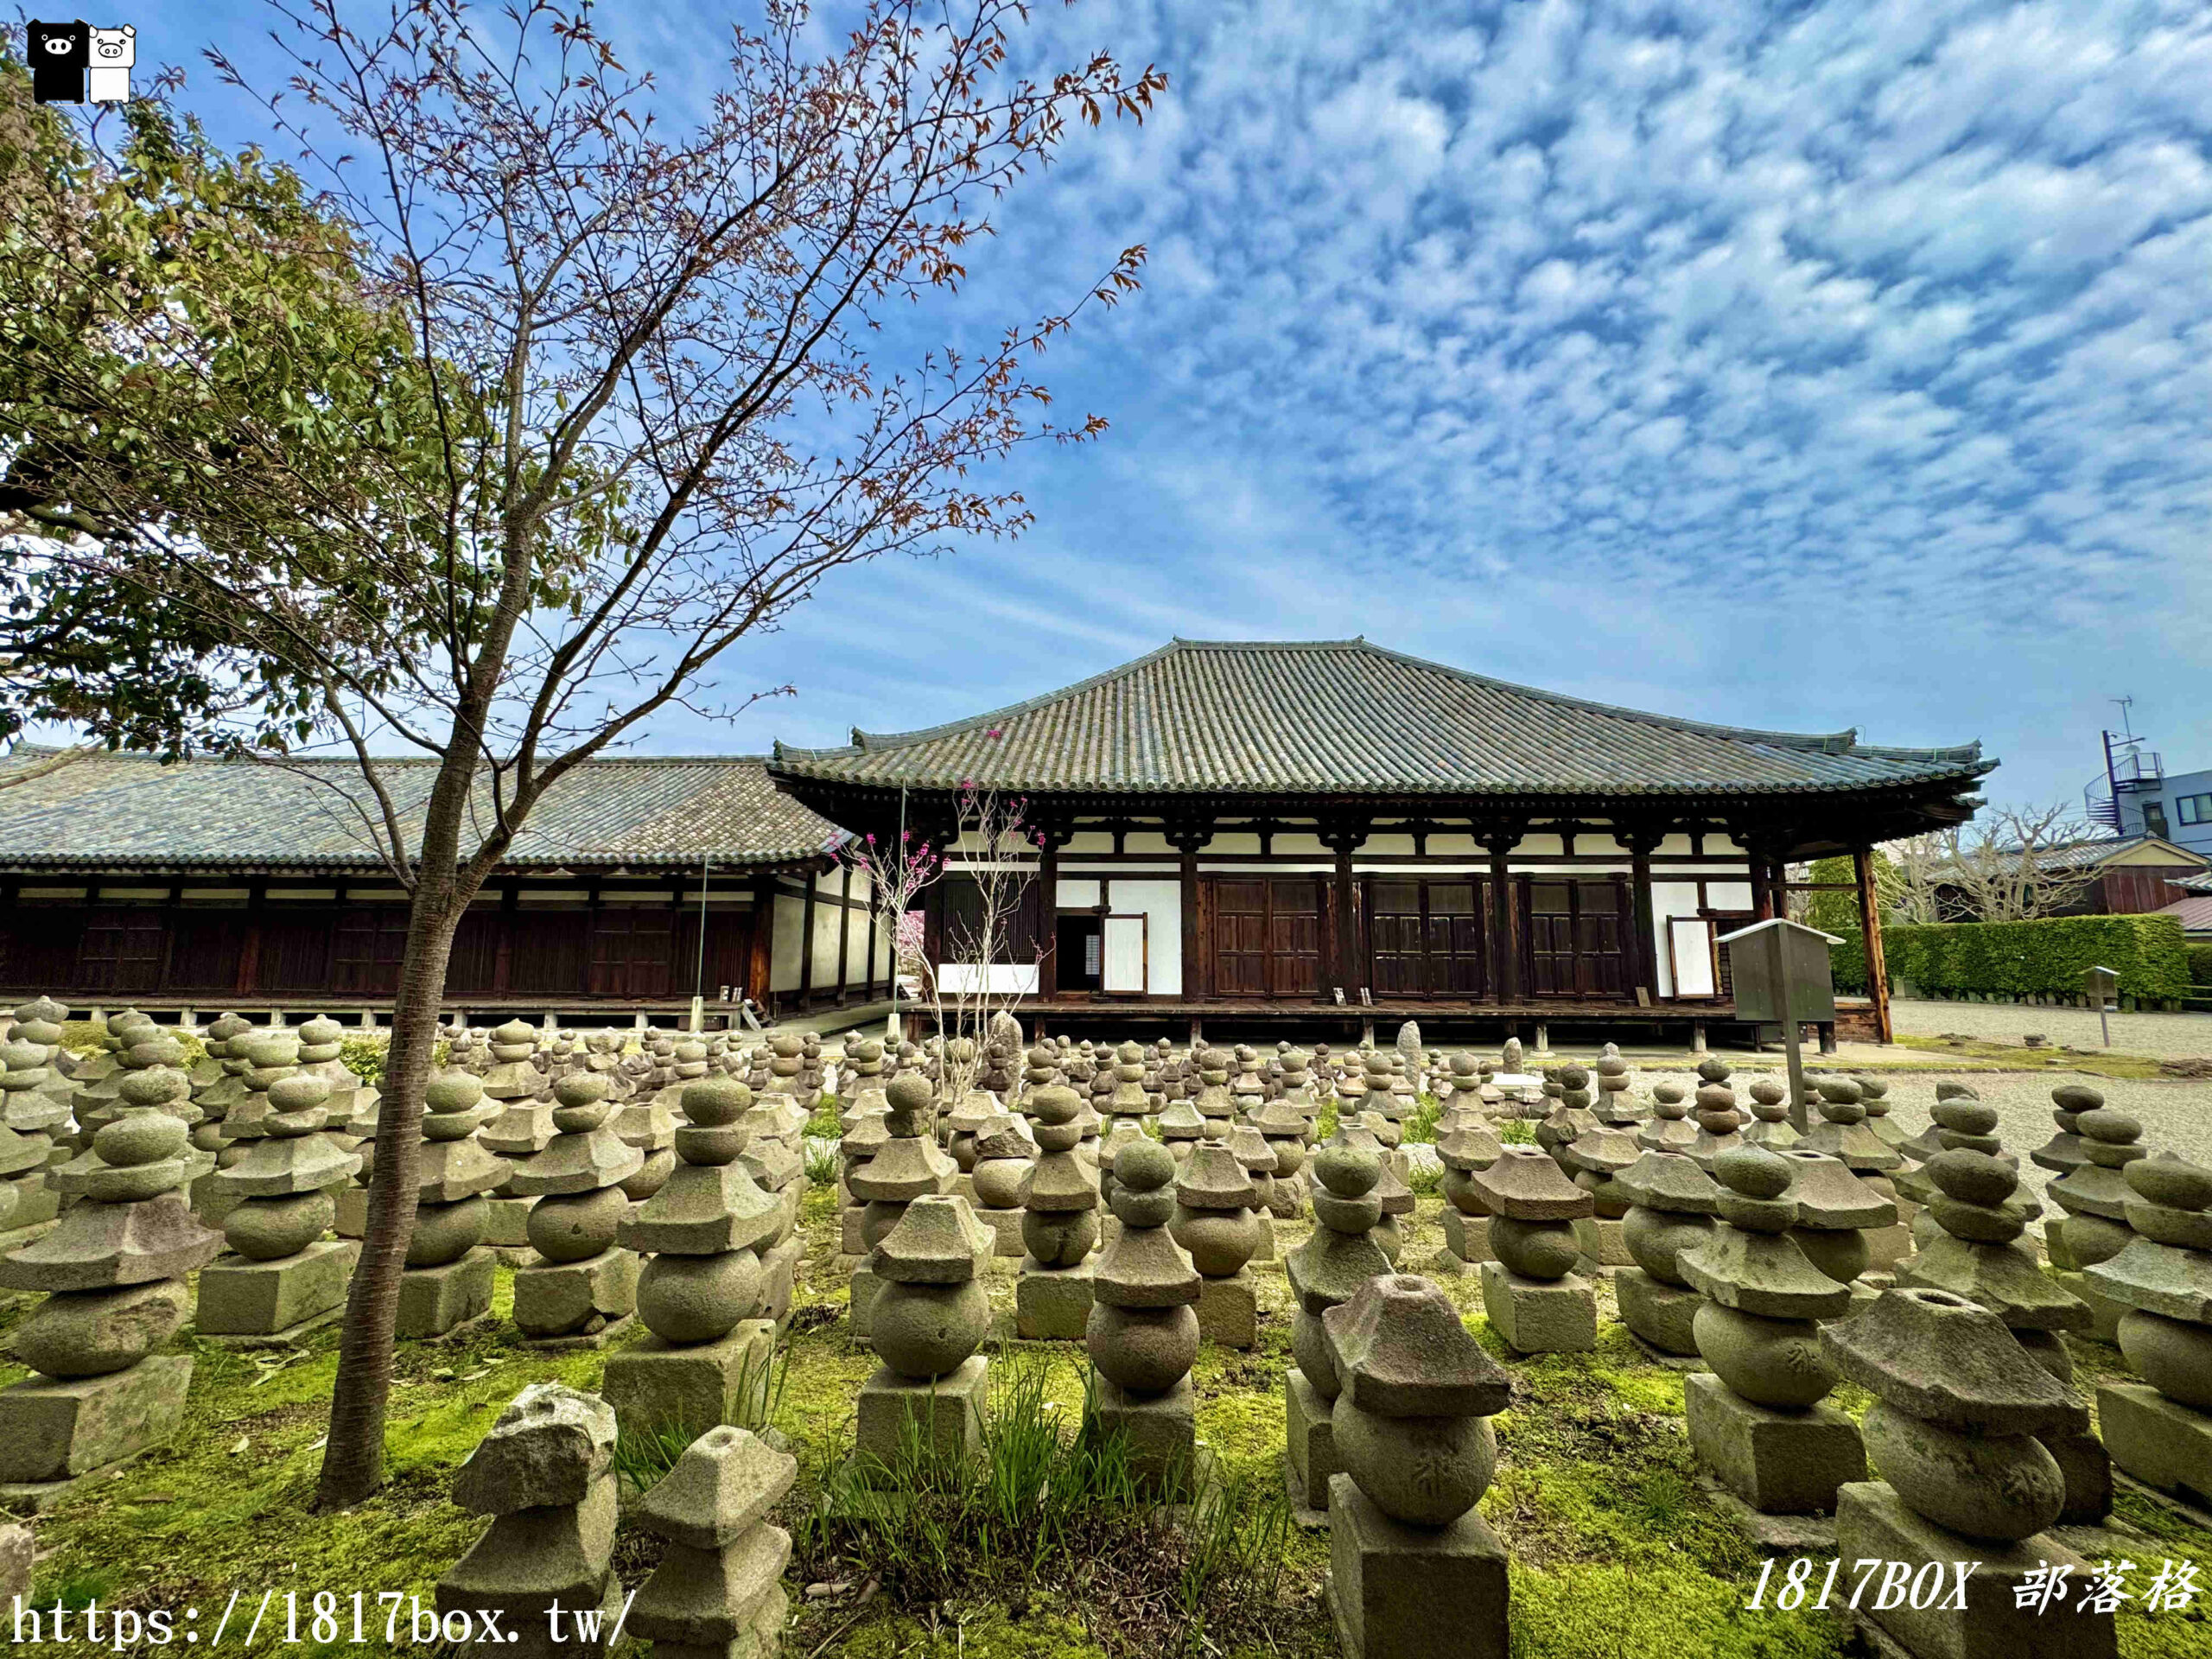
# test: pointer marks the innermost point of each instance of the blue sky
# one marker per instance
(1802, 366)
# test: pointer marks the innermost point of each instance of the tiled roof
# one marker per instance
(2193, 883)
(2194, 914)
(1345, 716)
(2089, 855)
(111, 811)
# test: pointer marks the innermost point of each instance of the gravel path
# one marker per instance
(2167, 1036)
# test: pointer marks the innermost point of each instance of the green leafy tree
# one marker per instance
(633, 404)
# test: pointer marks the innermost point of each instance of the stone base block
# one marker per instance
(1397, 1591)
(1051, 1304)
(852, 1236)
(239, 1298)
(1659, 1314)
(1161, 1431)
(1267, 1250)
(863, 1301)
(2087, 1468)
(1229, 1310)
(779, 1279)
(507, 1223)
(36, 1207)
(1778, 1462)
(964, 1186)
(1870, 1522)
(899, 1417)
(53, 1432)
(1601, 1241)
(1004, 1226)
(2163, 1443)
(212, 1204)
(1772, 1534)
(1540, 1316)
(1467, 1237)
(656, 1385)
(437, 1301)
(558, 1301)
(352, 1212)
(2104, 1312)
(1310, 1442)
(1887, 1246)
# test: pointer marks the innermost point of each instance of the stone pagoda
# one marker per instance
(1533, 1295)
(1974, 1200)
(718, 1591)
(1839, 1214)
(583, 1286)
(280, 1277)
(113, 1269)
(1842, 1131)
(1465, 1146)
(1671, 1206)
(1954, 1430)
(702, 1291)
(1757, 1420)
(999, 1184)
(521, 1128)
(1215, 1223)
(1413, 1572)
(545, 1474)
(31, 1115)
(1668, 1128)
(1060, 1225)
(929, 1316)
(2092, 1188)
(906, 1166)
(449, 1277)
(1337, 1257)
(1142, 1332)
(2160, 1430)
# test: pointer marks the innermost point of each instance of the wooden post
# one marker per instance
(806, 938)
(1347, 926)
(1504, 956)
(844, 931)
(1870, 927)
(761, 943)
(1048, 916)
(1641, 843)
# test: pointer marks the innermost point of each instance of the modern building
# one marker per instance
(2137, 796)
(1271, 833)
(236, 883)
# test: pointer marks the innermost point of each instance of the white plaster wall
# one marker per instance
(827, 918)
(1162, 904)
(856, 932)
(785, 943)
(959, 977)
(1535, 845)
(1383, 846)
(1299, 841)
(1447, 844)
(1728, 895)
(1669, 898)
(1146, 841)
(1235, 841)
(1089, 841)
(1078, 893)
(1676, 847)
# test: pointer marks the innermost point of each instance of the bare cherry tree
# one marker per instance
(2015, 864)
(665, 401)
(978, 973)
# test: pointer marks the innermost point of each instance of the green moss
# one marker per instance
(1585, 1610)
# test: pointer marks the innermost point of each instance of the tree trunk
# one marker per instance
(352, 1463)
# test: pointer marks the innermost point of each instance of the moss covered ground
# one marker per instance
(1616, 1552)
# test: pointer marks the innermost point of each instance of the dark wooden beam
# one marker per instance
(1642, 842)
(844, 931)
(1499, 839)
(1870, 925)
(1048, 915)
(1187, 834)
(1343, 837)
(806, 942)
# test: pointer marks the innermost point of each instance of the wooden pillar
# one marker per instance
(1641, 843)
(874, 927)
(1870, 926)
(1504, 955)
(1186, 836)
(760, 946)
(248, 947)
(806, 938)
(503, 952)
(1048, 916)
(1341, 839)
(844, 931)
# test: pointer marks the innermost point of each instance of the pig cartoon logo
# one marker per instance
(61, 53)
(114, 51)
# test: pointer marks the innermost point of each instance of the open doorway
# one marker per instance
(1080, 942)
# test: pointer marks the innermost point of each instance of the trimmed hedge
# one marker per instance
(2199, 964)
(2043, 958)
